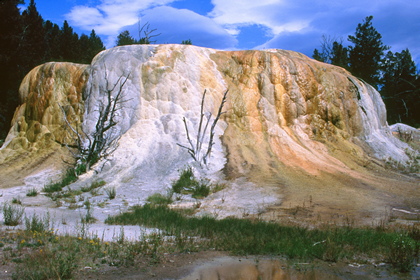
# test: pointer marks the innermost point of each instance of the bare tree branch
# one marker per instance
(103, 141)
(195, 150)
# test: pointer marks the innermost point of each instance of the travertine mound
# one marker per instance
(294, 126)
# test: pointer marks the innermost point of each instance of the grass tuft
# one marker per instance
(12, 214)
(188, 184)
(37, 224)
(32, 192)
(68, 178)
(159, 199)
(111, 192)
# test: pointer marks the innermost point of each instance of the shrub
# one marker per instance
(188, 184)
(185, 181)
(12, 214)
(200, 190)
(93, 186)
(32, 192)
(88, 218)
(402, 252)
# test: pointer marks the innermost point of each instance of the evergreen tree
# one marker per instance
(33, 47)
(332, 51)
(186, 42)
(339, 55)
(400, 89)
(26, 40)
(10, 39)
(318, 55)
(124, 38)
(95, 45)
(52, 39)
(365, 57)
(69, 41)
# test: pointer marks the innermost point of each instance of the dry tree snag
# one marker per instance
(195, 149)
(91, 148)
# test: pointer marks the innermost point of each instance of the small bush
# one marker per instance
(12, 214)
(32, 192)
(98, 184)
(55, 187)
(88, 218)
(402, 253)
(188, 184)
(186, 180)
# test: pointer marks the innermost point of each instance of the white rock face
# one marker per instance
(287, 117)
(159, 92)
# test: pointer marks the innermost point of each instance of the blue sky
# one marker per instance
(243, 24)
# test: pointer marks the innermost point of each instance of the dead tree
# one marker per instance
(148, 34)
(195, 149)
(90, 148)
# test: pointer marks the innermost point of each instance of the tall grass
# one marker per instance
(255, 237)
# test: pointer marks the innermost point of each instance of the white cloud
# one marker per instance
(110, 16)
(176, 25)
(292, 24)
(299, 24)
(273, 14)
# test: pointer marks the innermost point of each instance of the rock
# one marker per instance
(405, 132)
(290, 122)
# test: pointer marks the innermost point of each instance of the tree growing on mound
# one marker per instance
(103, 141)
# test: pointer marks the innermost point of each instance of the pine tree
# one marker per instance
(33, 47)
(69, 40)
(52, 39)
(365, 57)
(318, 55)
(339, 55)
(124, 38)
(400, 90)
(332, 51)
(95, 45)
(10, 40)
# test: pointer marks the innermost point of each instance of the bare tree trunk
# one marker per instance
(195, 150)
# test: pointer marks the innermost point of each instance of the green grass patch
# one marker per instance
(258, 238)
(93, 186)
(32, 192)
(68, 178)
(159, 199)
(188, 184)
